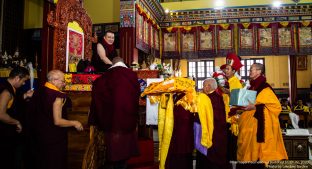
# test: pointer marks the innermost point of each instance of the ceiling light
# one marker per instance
(277, 4)
(219, 4)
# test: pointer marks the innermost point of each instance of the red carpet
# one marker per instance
(146, 158)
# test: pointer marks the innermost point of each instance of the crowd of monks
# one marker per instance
(222, 134)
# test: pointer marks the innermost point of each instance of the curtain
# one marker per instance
(292, 78)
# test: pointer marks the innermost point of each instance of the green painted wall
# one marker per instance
(103, 11)
(33, 12)
(100, 11)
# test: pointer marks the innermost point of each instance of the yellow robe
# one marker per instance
(205, 113)
(162, 92)
(165, 127)
(234, 83)
(273, 147)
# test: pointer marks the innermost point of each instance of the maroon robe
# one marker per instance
(8, 134)
(50, 141)
(216, 154)
(114, 109)
(97, 62)
(182, 140)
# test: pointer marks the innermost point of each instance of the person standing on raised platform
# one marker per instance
(105, 52)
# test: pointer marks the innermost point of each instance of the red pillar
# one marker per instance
(46, 61)
(127, 31)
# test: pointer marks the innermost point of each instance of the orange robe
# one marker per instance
(273, 146)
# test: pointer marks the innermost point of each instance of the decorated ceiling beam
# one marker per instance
(154, 8)
(238, 15)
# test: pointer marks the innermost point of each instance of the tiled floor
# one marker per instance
(78, 142)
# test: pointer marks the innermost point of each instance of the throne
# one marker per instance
(72, 42)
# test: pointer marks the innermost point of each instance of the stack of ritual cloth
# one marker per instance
(79, 82)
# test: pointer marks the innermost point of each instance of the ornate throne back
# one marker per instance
(69, 11)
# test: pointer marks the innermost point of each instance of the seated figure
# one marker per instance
(301, 107)
(294, 118)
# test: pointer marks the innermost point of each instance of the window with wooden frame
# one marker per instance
(200, 70)
(244, 71)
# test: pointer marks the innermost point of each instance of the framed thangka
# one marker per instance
(146, 31)
(98, 29)
(285, 38)
(302, 62)
(206, 41)
(112, 27)
(152, 41)
(156, 42)
(74, 49)
(266, 38)
(139, 25)
(170, 43)
(188, 42)
(225, 39)
(305, 38)
(246, 39)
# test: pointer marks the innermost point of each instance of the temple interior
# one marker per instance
(163, 39)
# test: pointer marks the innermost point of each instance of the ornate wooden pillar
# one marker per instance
(46, 61)
(292, 78)
(127, 31)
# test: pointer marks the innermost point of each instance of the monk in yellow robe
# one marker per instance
(232, 65)
(260, 137)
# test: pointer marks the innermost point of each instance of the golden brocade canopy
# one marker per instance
(174, 85)
(162, 92)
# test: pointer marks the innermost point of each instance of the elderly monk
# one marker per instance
(114, 110)
(216, 154)
(49, 124)
(260, 137)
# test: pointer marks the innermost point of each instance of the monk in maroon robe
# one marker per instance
(49, 124)
(216, 154)
(182, 140)
(114, 110)
(10, 124)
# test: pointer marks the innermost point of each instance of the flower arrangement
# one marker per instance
(164, 69)
(219, 76)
